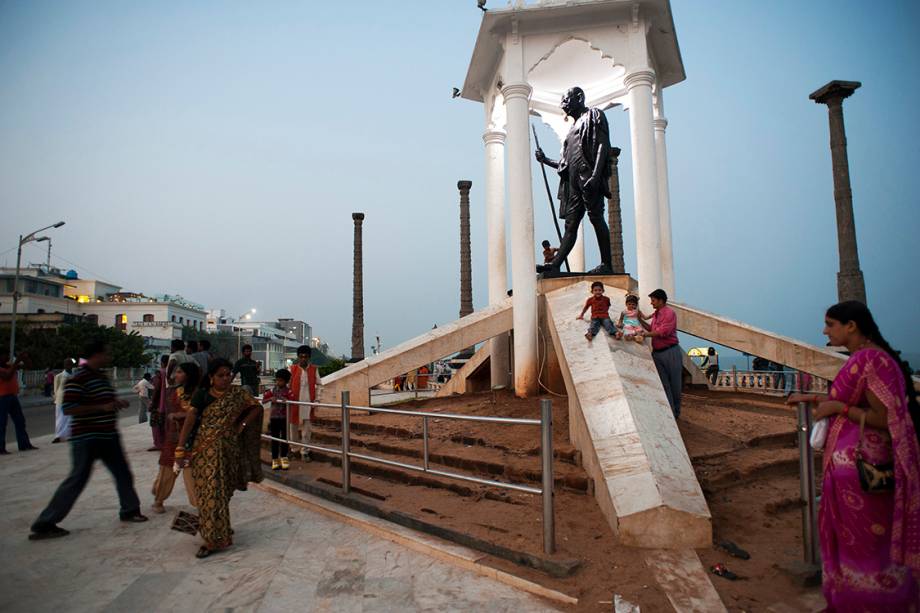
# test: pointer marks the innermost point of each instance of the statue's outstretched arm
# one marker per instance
(541, 157)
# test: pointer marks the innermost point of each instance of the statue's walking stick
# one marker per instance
(549, 195)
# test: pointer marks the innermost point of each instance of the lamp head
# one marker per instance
(58, 224)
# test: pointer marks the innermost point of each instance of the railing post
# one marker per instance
(546, 450)
(807, 485)
(425, 441)
(346, 444)
(287, 423)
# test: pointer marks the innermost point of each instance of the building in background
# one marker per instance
(50, 298)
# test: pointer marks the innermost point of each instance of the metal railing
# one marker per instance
(807, 484)
(765, 382)
(546, 451)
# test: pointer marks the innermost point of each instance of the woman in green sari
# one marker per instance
(221, 448)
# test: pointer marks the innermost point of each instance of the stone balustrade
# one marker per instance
(765, 382)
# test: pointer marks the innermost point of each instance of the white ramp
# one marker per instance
(620, 420)
(432, 345)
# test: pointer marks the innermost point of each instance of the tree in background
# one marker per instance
(48, 348)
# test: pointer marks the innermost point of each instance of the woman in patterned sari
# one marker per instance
(870, 541)
(221, 447)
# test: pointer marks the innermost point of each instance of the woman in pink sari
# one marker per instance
(870, 541)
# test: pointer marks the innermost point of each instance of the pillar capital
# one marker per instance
(834, 92)
(639, 77)
(357, 216)
(464, 185)
(614, 153)
(494, 137)
(516, 90)
(660, 124)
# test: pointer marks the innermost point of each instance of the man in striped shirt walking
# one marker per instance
(90, 400)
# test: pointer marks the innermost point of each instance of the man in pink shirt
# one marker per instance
(666, 352)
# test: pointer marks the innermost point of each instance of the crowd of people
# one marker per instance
(208, 430)
(203, 428)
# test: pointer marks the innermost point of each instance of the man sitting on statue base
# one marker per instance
(584, 176)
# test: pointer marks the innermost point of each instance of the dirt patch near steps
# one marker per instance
(723, 433)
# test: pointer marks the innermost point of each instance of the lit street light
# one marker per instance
(22, 241)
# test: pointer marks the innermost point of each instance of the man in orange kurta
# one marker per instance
(304, 378)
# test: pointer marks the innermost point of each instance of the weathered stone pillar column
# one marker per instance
(850, 282)
(645, 183)
(520, 197)
(495, 229)
(664, 205)
(466, 266)
(357, 304)
(614, 214)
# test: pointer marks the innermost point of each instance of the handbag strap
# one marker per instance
(862, 426)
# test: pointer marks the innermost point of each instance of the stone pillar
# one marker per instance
(645, 184)
(495, 229)
(664, 205)
(466, 266)
(523, 264)
(850, 282)
(614, 215)
(357, 304)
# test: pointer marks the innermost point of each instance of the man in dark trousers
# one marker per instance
(9, 403)
(248, 370)
(90, 400)
(584, 178)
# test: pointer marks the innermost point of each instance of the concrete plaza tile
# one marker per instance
(285, 557)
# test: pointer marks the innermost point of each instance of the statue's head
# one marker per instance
(573, 101)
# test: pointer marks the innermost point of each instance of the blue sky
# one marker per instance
(217, 150)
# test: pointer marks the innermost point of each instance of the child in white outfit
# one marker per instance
(628, 325)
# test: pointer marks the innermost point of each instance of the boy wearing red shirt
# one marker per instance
(600, 312)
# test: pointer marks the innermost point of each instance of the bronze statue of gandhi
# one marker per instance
(584, 178)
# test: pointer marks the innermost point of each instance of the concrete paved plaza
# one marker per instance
(285, 557)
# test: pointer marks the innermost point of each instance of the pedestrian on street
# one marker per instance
(178, 356)
(49, 382)
(61, 421)
(90, 400)
(159, 405)
(248, 370)
(143, 388)
(221, 446)
(9, 403)
(178, 409)
(202, 357)
(666, 351)
(304, 378)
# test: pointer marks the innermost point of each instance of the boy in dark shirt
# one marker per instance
(600, 312)
(248, 370)
(277, 422)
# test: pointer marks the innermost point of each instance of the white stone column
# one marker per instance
(523, 264)
(577, 254)
(645, 183)
(664, 205)
(495, 229)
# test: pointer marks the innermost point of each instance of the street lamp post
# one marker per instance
(22, 241)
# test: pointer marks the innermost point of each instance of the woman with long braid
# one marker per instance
(870, 531)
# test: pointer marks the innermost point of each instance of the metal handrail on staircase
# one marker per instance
(546, 451)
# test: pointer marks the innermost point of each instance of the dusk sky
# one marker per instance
(217, 150)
